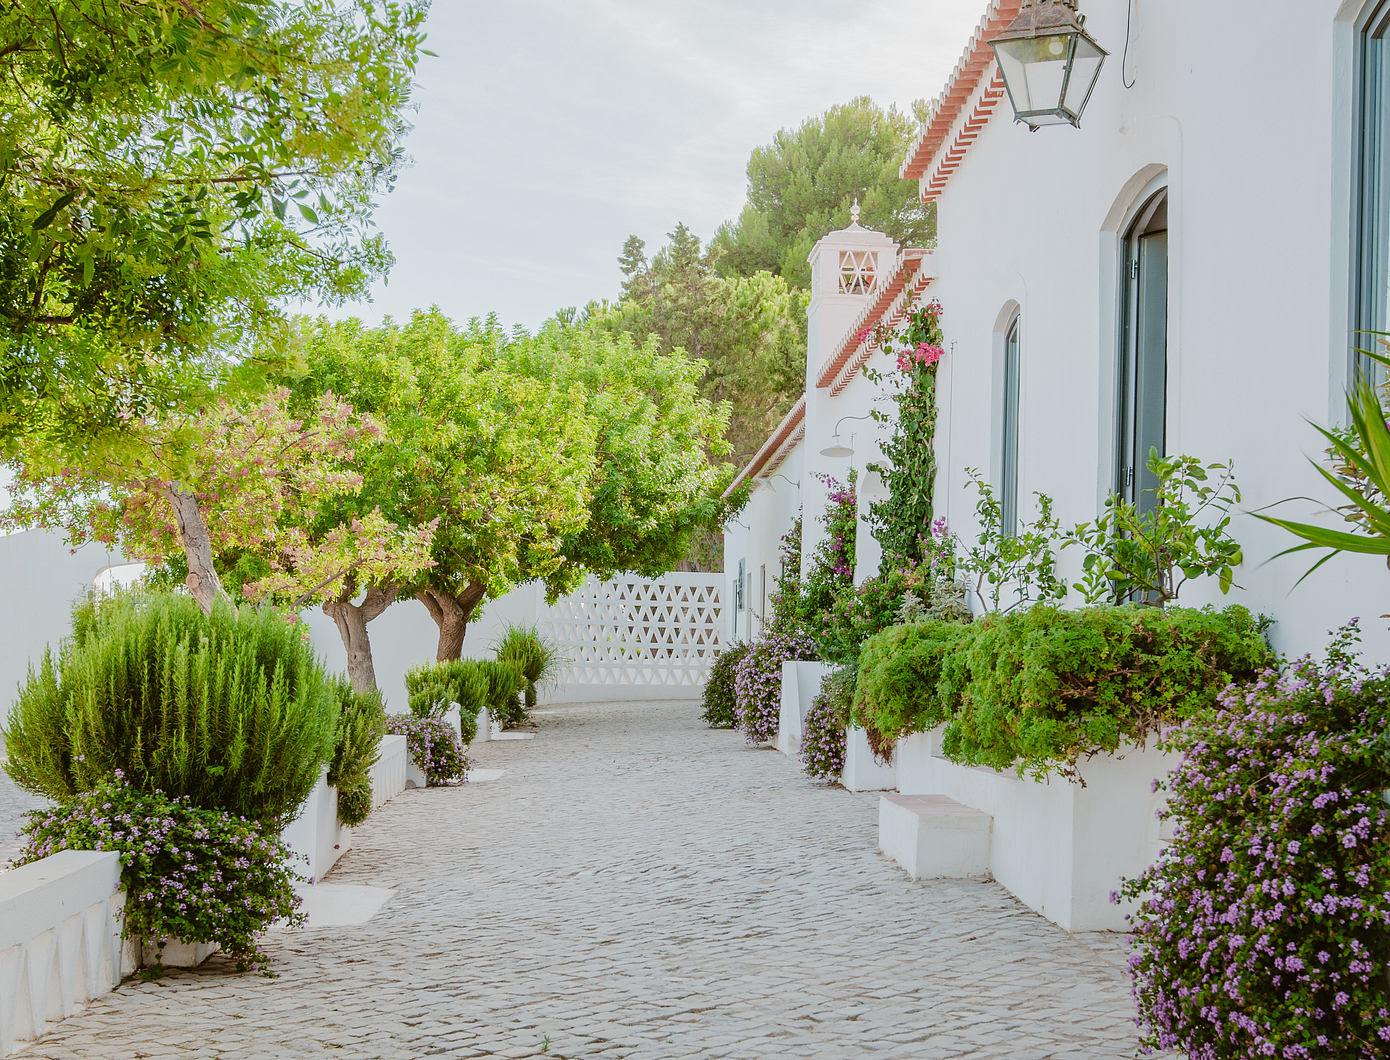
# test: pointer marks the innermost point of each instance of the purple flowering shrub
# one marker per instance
(758, 685)
(1264, 928)
(719, 698)
(434, 746)
(195, 874)
(823, 735)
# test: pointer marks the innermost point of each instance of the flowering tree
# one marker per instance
(237, 492)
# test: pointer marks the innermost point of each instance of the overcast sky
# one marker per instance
(548, 130)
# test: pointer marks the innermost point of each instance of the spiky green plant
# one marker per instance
(361, 725)
(537, 658)
(231, 709)
(1361, 455)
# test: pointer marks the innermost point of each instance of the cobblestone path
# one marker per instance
(638, 886)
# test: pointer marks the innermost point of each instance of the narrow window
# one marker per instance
(1373, 213)
(1143, 374)
(1008, 463)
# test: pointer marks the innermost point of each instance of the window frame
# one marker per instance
(1371, 199)
(1010, 415)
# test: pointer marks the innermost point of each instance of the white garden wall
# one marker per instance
(60, 940)
(1059, 846)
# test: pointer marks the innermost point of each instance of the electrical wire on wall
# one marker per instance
(1124, 62)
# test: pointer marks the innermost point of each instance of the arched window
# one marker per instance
(1373, 208)
(1008, 449)
(1143, 363)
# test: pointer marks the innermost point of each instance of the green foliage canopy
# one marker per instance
(168, 173)
(802, 185)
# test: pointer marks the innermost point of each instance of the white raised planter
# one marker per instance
(60, 940)
(177, 953)
(484, 732)
(388, 774)
(315, 836)
(801, 683)
(862, 771)
(1061, 848)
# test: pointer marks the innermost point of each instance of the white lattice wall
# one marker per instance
(634, 633)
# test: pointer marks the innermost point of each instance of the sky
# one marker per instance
(547, 131)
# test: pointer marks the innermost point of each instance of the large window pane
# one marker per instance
(1008, 485)
(1373, 243)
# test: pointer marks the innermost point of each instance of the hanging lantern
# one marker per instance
(1049, 62)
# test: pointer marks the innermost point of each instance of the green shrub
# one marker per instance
(719, 699)
(538, 659)
(231, 710)
(1042, 688)
(202, 875)
(432, 687)
(361, 725)
(910, 680)
(505, 681)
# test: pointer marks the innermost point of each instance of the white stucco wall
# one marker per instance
(755, 537)
(1250, 119)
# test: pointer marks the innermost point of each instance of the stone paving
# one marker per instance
(638, 886)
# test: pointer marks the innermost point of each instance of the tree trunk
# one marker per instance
(451, 614)
(203, 581)
(351, 620)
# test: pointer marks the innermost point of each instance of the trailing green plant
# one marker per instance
(1360, 472)
(1040, 689)
(361, 725)
(230, 709)
(719, 701)
(537, 658)
(189, 872)
(910, 680)
(823, 738)
(900, 521)
(1147, 556)
(1264, 927)
(434, 747)
(1017, 561)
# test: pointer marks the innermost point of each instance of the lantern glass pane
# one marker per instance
(1034, 69)
(1085, 71)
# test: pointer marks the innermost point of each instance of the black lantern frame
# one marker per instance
(1049, 62)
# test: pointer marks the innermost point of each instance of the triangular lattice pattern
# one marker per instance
(637, 631)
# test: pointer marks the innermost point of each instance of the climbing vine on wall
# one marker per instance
(902, 521)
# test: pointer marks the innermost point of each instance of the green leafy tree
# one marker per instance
(750, 331)
(534, 457)
(802, 185)
(170, 172)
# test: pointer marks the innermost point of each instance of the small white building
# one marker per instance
(1189, 269)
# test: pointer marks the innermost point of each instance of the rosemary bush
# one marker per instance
(361, 725)
(230, 710)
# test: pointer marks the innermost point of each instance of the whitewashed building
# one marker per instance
(1188, 269)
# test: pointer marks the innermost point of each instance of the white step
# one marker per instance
(934, 837)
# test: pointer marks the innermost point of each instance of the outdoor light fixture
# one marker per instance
(1049, 62)
(836, 448)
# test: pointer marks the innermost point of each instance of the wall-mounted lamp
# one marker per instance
(1049, 62)
(837, 448)
(784, 479)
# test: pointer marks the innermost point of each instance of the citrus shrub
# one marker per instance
(230, 710)
(1264, 927)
